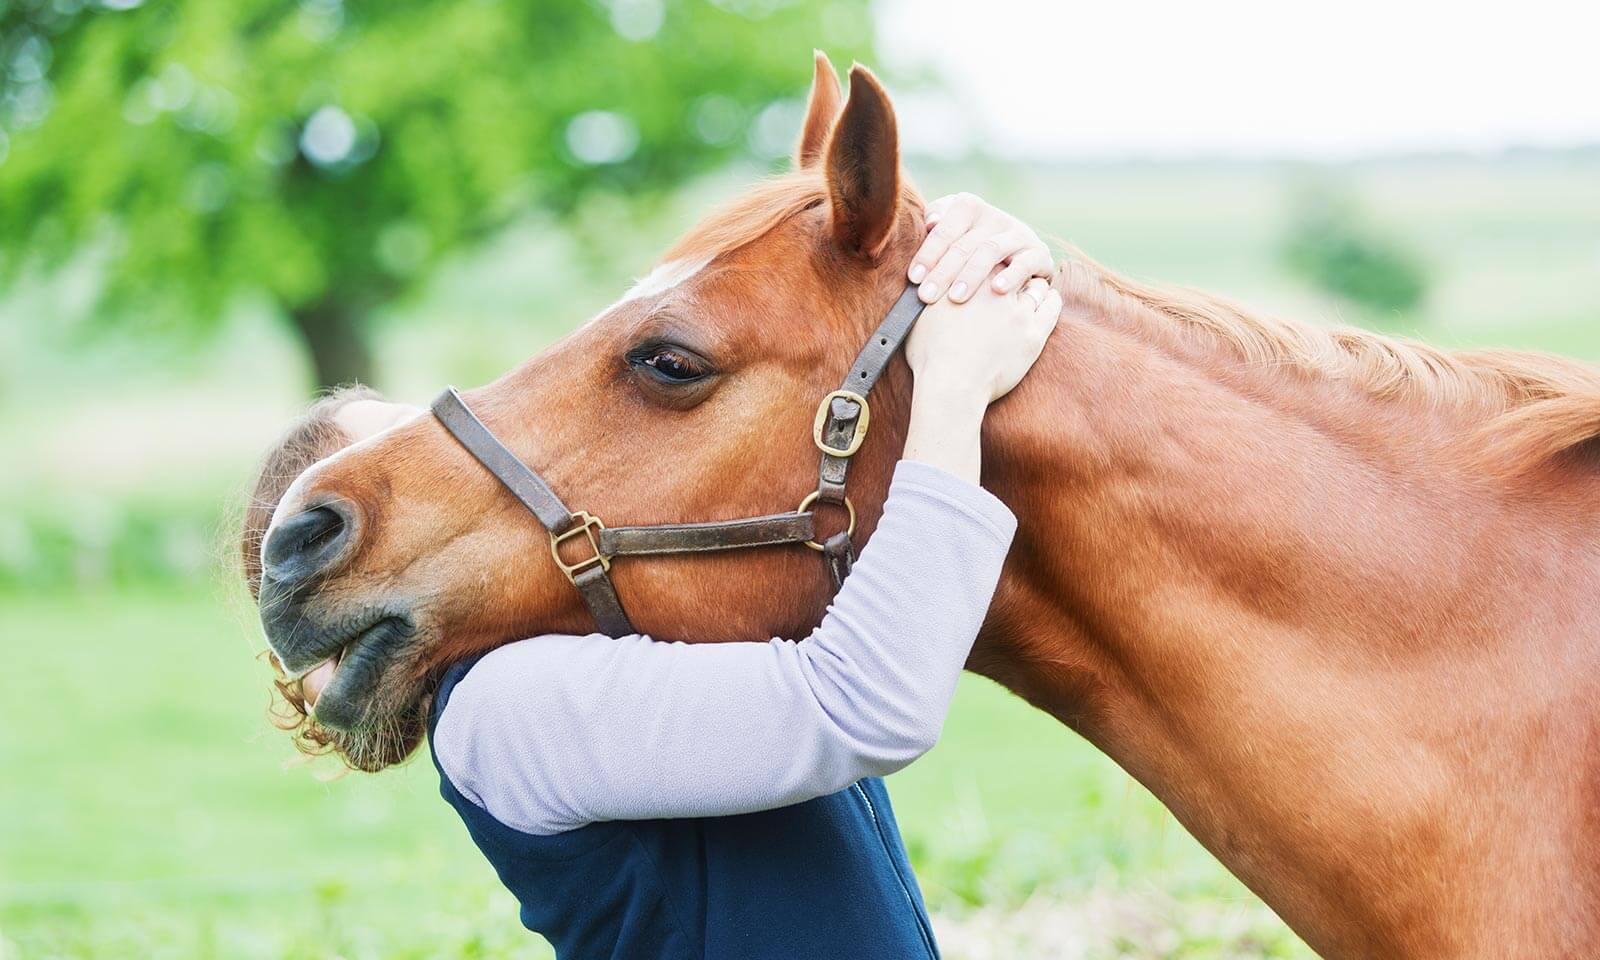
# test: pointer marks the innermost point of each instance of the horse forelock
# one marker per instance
(1529, 407)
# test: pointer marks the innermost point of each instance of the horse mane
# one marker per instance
(1534, 406)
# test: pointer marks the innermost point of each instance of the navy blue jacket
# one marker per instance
(827, 878)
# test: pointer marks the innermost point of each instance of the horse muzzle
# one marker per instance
(308, 632)
(350, 655)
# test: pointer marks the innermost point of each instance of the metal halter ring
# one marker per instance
(588, 524)
(823, 414)
(811, 498)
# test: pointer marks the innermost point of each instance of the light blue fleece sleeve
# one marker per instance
(555, 732)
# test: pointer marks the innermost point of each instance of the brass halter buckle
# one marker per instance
(587, 525)
(811, 498)
(824, 412)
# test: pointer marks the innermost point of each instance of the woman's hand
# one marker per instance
(967, 240)
(975, 353)
(965, 358)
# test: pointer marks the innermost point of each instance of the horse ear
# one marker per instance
(821, 112)
(863, 167)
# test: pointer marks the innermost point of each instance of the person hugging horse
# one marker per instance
(648, 799)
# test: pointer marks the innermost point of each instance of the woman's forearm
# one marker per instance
(945, 427)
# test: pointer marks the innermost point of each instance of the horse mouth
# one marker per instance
(341, 688)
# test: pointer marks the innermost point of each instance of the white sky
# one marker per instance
(1247, 77)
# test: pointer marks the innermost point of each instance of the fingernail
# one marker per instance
(918, 271)
(958, 292)
(929, 292)
(1001, 283)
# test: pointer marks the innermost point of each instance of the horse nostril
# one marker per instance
(305, 544)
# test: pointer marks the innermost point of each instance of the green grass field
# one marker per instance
(148, 810)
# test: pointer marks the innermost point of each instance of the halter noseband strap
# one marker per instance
(838, 431)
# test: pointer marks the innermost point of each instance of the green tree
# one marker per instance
(325, 154)
(1332, 246)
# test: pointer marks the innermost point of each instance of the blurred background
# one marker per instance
(211, 208)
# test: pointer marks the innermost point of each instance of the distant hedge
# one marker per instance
(1332, 246)
(86, 541)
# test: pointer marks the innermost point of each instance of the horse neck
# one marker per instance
(1264, 595)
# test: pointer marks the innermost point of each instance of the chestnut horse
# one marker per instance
(1332, 597)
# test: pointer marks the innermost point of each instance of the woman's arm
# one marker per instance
(555, 732)
(552, 733)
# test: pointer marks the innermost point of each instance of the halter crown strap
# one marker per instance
(843, 424)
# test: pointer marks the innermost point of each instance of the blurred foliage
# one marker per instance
(145, 538)
(326, 156)
(1331, 245)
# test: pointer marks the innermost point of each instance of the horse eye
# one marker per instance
(672, 365)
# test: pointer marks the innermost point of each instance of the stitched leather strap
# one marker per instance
(515, 475)
(593, 583)
(770, 530)
(594, 586)
(864, 373)
(840, 556)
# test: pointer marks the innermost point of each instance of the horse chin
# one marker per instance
(371, 748)
(373, 710)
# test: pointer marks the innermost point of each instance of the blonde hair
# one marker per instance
(314, 436)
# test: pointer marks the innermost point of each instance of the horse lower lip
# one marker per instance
(342, 700)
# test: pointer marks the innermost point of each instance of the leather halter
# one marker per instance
(838, 431)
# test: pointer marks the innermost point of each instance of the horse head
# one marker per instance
(690, 399)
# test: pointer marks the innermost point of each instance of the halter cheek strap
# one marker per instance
(838, 430)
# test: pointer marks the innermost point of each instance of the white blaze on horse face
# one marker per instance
(664, 278)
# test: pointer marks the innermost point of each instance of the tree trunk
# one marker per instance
(336, 340)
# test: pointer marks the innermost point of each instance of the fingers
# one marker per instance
(952, 226)
(1047, 309)
(967, 240)
(1050, 309)
(1032, 262)
(1045, 301)
(969, 259)
(936, 210)
(986, 254)
(1047, 316)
